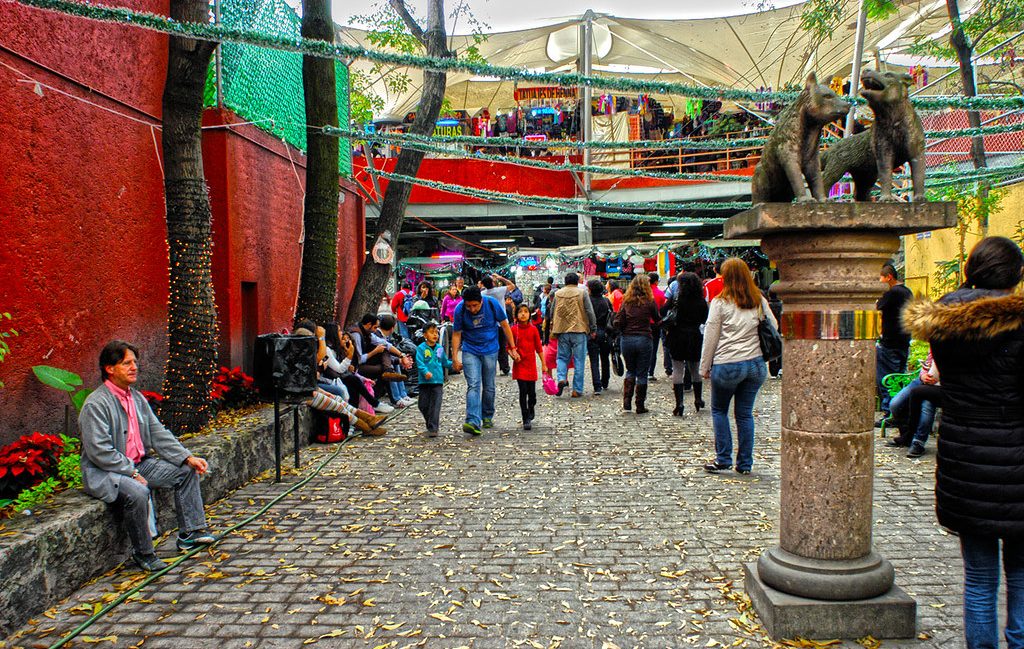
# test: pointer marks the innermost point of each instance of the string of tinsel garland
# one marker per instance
(313, 47)
(640, 172)
(574, 205)
(711, 144)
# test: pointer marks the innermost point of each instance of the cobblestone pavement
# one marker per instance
(596, 529)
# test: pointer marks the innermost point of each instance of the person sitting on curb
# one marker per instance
(119, 436)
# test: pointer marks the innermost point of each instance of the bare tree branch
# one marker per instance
(410, 22)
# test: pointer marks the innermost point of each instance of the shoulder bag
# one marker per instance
(768, 336)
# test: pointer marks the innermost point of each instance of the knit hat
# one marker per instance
(420, 305)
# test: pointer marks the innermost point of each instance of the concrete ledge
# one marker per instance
(74, 538)
(892, 615)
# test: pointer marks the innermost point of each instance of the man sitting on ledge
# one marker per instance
(119, 434)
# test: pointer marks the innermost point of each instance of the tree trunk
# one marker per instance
(964, 53)
(373, 277)
(319, 276)
(191, 312)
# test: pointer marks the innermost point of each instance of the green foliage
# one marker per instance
(37, 495)
(918, 354)
(70, 471)
(724, 123)
(5, 333)
(991, 22)
(975, 204)
(64, 381)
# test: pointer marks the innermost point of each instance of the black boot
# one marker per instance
(641, 398)
(698, 396)
(627, 393)
(680, 392)
(687, 379)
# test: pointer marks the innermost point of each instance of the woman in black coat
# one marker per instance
(977, 340)
(684, 338)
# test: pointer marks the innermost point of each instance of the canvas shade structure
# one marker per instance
(748, 51)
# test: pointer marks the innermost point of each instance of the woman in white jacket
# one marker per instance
(731, 358)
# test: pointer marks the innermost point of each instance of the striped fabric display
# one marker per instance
(832, 325)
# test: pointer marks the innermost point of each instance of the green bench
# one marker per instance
(894, 383)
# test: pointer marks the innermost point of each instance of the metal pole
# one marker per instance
(584, 223)
(218, 64)
(277, 434)
(858, 54)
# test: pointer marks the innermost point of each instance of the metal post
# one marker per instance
(295, 431)
(858, 54)
(218, 64)
(277, 433)
(584, 222)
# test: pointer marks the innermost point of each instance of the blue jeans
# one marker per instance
(479, 370)
(742, 380)
(888, 360)
(654, 349)
(899, 403)
(981, 588)
(403, 329)
(574, 346)
(636, 356)
(398, 391)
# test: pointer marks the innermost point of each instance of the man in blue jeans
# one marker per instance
(476, 322)
(572, 322)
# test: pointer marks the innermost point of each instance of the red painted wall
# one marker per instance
(83, 254)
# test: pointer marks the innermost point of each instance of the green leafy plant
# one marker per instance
(64, 381)
(69, 468)
(5, 333)
(975, 204)
(37, 495)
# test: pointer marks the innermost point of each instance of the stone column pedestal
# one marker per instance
(824, 579)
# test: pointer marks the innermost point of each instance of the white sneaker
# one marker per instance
(407, 401)
(384, 408)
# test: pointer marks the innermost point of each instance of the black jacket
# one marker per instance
(977, 340)
(683, 337)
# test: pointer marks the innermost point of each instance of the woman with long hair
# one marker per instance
(731, 358)
(977, 342)
(684, 339)
(635, 321)
(598, 347)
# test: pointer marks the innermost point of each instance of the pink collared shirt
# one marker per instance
(134, 448)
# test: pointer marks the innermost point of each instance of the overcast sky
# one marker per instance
(504, 15)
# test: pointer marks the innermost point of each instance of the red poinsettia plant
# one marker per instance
(233, 388)
(27, 461)
(152, 397)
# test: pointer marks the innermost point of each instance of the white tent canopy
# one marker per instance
(748, 52)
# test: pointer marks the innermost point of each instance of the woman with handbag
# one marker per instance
(635, 322)
(732, 357)
(681, 321)
(598, 347)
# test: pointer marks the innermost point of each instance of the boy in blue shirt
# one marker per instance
(430, 365)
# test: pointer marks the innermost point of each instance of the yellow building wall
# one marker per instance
(922, 252)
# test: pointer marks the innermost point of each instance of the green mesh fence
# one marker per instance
(261, 83)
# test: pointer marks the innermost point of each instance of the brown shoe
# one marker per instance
(576, 395)
(372, 420)
(377, 432)
(394, 376)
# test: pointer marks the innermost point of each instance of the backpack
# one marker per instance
(410, 299)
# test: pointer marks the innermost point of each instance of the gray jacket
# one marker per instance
(103, 425)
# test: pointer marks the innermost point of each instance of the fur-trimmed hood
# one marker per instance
(968, 319)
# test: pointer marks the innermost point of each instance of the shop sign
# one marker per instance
(447, 128)
(544, 92)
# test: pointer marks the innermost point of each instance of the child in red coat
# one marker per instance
(524, 370)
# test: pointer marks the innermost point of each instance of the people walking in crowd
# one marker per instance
(524, 371)
(731, 358)
(510, 312)
(684, 339)
(714, 286)
(659, 302)
(977, 340)
(431, 363)
(599, 347)
(614, 295)
(893, 346)
(451, 300)
(475, 347)
(398, 306)
(635, 321)
(572, 323)
(119, 434)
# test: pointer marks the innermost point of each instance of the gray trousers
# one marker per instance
(679, 371)
(430, 404)
(134, 499)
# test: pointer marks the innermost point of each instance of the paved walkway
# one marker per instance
(596, 529)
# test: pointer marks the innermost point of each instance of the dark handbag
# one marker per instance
(668, 319)
(617, 365)
(768, 336)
